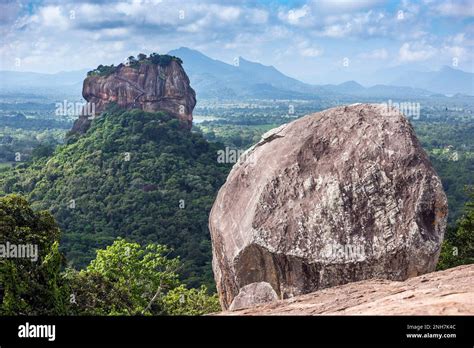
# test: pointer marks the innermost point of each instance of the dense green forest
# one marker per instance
(135, 175)
(458, 244)
(21, 121)
(123, 279)
(451, 151)
(18, 146)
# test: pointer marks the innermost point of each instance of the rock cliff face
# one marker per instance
(150, 87)
(448, 292)
(338, 196)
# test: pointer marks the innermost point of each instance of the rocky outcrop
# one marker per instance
(252, 294)
(339, 196)
(150, 87)
(448, 292)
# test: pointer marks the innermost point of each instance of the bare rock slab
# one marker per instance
(448, 292)
(338, 196)
(149, 87)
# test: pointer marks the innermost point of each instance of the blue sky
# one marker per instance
(319, 41)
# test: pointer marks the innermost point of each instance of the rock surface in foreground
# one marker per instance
(338, 196)
(252, 294)
(447, 292)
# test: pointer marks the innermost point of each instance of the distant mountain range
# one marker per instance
(212, 78)
(245, 79)
(61, 83)
(447, 80)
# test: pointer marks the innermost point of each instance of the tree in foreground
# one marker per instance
(458, 247)
(30, 279)
(127, 279)
(124, 278)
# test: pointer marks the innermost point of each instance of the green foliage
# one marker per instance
(141, 272)
(123, 279)
(141, 57)
(138, 276)
(131, 61)
(42, 150)
(448, 256)
(154, 58)
(89, 293)
(162, 194)
(22, 142)
(29, 286)
(103, 70)
(127, 279)
(183, 301)
(10, 123)
(451, 150)
(234, 136)
(458, 247)
(455, 176)
(163, 59)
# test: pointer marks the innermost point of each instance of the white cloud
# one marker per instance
(377, 54)
(336, 30)
(296, 16)
(104, 32)
(362, 24)
(345, 5)
(455, 51)
(409, 8)
(308, 50)
(459, 47)
(455, 8)
(413, 52)
(336, 24)
(112, 33)
(462, 39)
(311, 52)
(51, 16)
(257, 16)
(302, 47)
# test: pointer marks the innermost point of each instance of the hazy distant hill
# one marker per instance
(346, 87)
(354, 89)
(212, 78)
(21, 78)
(447, 81)
(34, 86)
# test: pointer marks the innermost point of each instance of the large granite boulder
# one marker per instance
(342, 195)
(150, 87)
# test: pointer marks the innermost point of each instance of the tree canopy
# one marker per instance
(124, 278)
(134, 174)
(154, 58)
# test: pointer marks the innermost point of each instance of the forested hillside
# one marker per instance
(135, 175)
